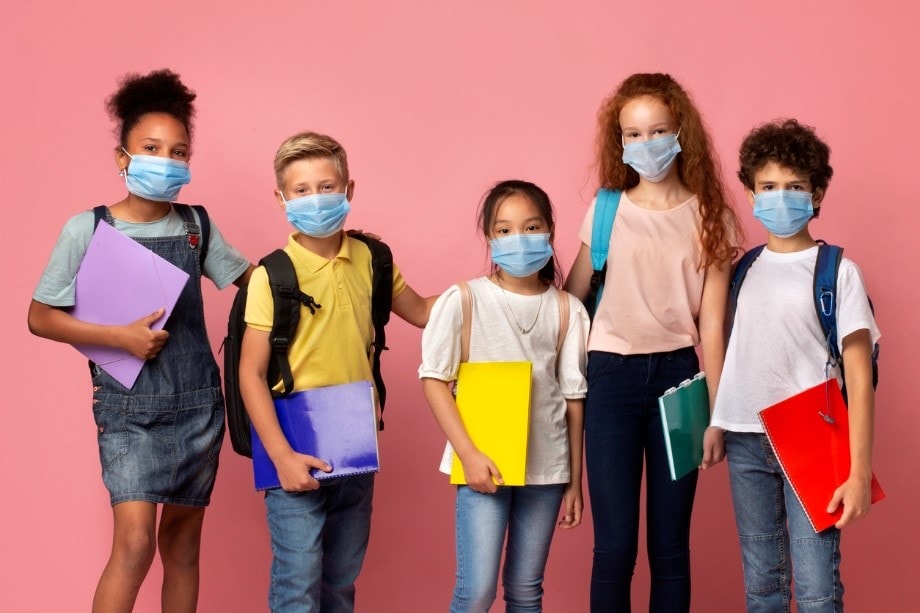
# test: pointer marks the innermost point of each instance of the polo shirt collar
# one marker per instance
(313, 262)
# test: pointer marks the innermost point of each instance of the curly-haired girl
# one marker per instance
(666, 287)
(159, 440)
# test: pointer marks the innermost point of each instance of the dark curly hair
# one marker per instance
(789, 144)
(160, 91)
(551, 273)
(697, 165)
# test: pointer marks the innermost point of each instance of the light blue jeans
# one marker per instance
(778, 545)
(318, 543)
(528, 516)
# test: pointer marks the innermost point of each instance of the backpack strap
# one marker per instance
(198, 231)
(605, 210)
(381, 306)
(287, 298)
(825, 292)
(102, 213)
(563, 297)
(205, 221)
(738, 275)
(466, 320)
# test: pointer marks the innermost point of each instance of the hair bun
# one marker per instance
(160, 91)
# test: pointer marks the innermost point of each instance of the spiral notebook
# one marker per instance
(810, 435)
(337, 424)
(684, 419)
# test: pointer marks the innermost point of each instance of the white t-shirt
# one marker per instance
(494, 337)
(777, 349)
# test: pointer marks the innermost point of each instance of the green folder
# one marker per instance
(684, 419)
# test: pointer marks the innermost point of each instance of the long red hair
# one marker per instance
(697, 167)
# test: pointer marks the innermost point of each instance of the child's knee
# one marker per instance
(179, 552)
(134, 547)
(180, 548)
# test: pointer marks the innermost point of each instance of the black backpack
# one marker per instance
(287, 299)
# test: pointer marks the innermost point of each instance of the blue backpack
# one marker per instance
(825, 299)
(605, 211)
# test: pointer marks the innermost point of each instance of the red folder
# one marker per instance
(810, 435)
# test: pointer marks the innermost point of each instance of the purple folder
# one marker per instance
(337, 424)
(120, 281)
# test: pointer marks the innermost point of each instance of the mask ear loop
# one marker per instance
(124, 171)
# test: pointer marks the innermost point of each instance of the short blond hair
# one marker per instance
(307, 145)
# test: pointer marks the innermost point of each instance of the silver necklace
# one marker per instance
(513, 316)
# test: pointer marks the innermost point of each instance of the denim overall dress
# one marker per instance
(160, 440)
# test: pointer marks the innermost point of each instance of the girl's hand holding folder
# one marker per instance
(480, 472)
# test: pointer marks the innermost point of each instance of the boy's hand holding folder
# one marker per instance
(294, 471)
(810, 435)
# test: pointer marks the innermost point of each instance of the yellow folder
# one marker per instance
(494, 402)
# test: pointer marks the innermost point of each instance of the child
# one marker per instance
(667, 284)
(777, 349)
(319, 533)
(164, 448)
(515, 317)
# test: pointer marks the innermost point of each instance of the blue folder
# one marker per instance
(337, 424)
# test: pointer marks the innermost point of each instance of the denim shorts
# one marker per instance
(161, 449)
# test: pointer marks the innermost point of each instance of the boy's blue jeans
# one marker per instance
(528, 516)
(318, 543)
(778, 544)
(622, 434)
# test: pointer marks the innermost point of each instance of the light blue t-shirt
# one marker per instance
(223, 264)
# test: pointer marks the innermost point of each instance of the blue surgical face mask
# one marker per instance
(783, 212)
(652, 159)
(155, 178)
(521, 255)
(318, 215)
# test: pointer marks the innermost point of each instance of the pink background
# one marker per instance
(434, 102)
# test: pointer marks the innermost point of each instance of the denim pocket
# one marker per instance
(111, 433)
(217, 425)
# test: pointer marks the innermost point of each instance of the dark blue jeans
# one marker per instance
(623, 428)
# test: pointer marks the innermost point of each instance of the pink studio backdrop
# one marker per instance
(434, 102)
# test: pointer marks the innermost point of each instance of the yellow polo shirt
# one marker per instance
(332, 346)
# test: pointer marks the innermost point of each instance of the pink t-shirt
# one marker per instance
(654, 283)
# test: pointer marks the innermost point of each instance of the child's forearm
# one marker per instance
(712, 325)
(58, 325)
(578, 281)
(257, 398)
(575, 423)
(412, 308)
(857, 361)
(445, 411)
